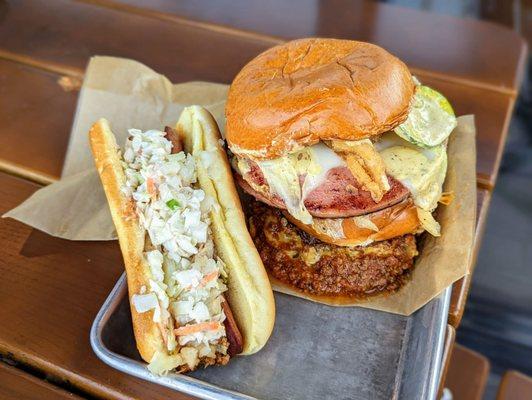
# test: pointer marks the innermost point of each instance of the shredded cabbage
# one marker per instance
(162, 363)
(428, 222)
(186, 277)
(144, 302)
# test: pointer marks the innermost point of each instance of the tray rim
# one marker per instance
(205, 390)
(433, 381)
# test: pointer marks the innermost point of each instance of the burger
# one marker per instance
(345, 154)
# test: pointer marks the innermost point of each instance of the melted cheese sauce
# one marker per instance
(421, 170)
(283, 178)
(323, 160)
(282, 175)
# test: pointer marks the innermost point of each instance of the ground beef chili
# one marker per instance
(312, 266)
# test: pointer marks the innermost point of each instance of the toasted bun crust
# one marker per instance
(249, 292)
(131, 236)
(397, 220)
(249, 295)
(298, 93)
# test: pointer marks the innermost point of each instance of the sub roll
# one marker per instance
(198, 290)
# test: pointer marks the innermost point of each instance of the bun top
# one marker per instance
(298, 93)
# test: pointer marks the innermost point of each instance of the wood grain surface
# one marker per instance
(18, 385)
(467, 374)
(36, 114)
(52, 288)
(69, 33)
(515, 386)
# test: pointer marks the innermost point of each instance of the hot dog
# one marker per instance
(198, 291)
(233, 333)
(173, 136)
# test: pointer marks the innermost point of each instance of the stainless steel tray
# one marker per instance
(315, 352)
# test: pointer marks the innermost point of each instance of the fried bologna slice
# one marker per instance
(250, 295)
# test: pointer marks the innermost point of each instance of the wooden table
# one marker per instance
(52, 288)
(515, 386)
(16, 384)
(468, 373)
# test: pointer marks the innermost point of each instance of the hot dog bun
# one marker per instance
(249, 292)
(250, 295)
(107, 157)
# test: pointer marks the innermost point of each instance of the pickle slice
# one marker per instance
(430, 121)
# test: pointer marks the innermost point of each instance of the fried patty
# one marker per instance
(315, 267)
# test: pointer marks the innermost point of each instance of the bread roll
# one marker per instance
(249, 292)
(298, 93)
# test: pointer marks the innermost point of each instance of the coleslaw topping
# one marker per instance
(186, 277)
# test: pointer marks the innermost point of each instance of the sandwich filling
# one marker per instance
(340, 178)
(322, 184)
(187, 279)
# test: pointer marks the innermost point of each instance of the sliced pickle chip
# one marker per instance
(430, 121)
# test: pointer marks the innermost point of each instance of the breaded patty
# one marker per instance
(302, 261)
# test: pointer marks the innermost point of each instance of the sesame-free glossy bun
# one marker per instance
(298, 93)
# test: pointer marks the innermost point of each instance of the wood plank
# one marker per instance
(461, 288)
(36, 114)
(50, 293)
(476, 51)
(515, 386)
(16, 384)
(69, 33)
(467, 374)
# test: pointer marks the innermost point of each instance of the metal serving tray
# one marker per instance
(315, 352)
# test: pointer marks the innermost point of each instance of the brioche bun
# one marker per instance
(397, 220)
(298, 93)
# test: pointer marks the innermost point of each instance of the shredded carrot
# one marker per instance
(199, 327)
(164, 332)
(150, 188)
(446, 198)
(207, 278)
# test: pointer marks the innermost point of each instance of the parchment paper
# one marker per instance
(131, 95)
